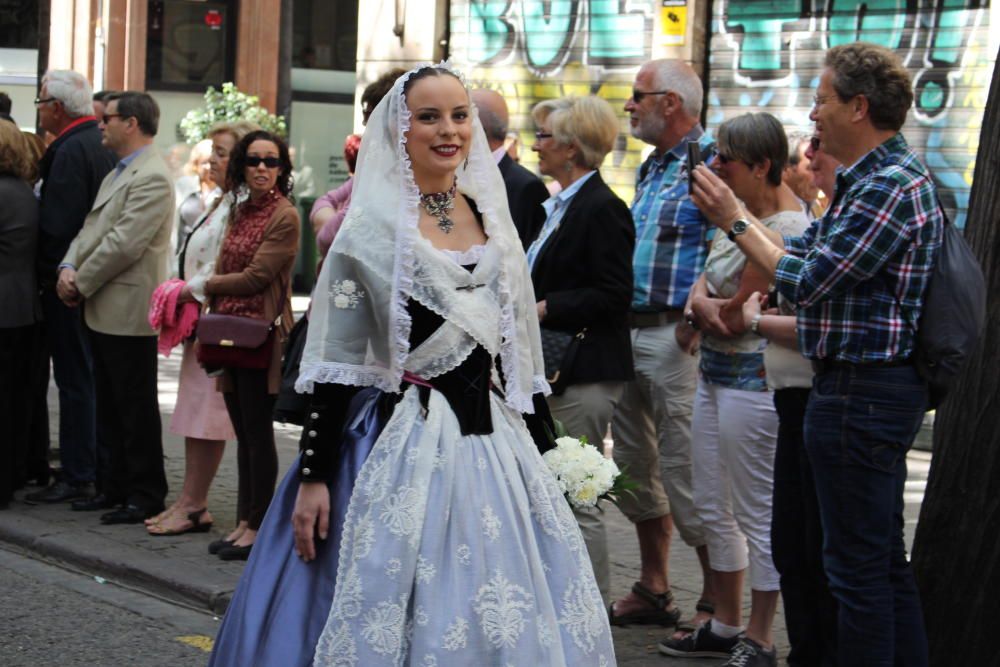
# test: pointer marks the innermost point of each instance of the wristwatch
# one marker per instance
(755, 323)
(739, 227)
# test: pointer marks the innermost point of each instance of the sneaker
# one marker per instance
(702, 643)
(749, 653)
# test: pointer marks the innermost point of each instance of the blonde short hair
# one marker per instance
(15, 154)
(238, 129)
(589, 123)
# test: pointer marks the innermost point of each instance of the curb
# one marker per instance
(98, 555)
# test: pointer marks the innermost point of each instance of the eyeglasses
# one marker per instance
(542, 135)
(106, 118)
(39, 100)
(819, 100)
(638, 95)
(269, 162)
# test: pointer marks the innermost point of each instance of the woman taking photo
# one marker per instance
(200, 412)
(253, 279)
(734, 425)
(581, 268)
(420, 525)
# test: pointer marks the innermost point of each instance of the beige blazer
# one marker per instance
(122, 249)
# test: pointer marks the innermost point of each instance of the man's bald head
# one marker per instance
(493, 115)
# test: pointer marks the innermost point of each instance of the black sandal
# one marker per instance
(703, 605)
(658, 615)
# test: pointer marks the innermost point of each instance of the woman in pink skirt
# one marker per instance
(200, 413)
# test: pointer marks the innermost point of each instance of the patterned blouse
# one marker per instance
(246, 232)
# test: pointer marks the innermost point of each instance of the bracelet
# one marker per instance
(755, 323)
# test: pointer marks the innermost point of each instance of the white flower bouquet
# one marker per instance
(584, 474)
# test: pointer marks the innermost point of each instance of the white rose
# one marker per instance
(341, 301)
(348, 287)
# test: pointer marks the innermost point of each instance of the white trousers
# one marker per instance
(733, 441)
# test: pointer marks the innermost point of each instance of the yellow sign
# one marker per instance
(673, 22)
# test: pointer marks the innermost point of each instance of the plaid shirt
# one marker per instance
(671, 235)
(870, 254)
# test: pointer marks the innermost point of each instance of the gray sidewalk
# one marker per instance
(180, 568)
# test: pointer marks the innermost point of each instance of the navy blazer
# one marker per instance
(584, 274)
(72, 170)
(525, 194)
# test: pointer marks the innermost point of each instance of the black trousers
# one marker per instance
(250, 407)
(797, 541)
(15, 404)
(129, 434)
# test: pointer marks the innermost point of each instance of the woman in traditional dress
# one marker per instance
(427, 528)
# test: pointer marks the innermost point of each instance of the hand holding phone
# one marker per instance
(694, 155)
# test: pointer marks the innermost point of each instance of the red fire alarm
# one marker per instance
(213, 19)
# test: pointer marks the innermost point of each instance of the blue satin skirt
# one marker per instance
(281, 603)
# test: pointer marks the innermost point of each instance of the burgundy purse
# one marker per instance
(232, 341)
(236, 341)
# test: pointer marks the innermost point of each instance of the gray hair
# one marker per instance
(795, 141)
(678, 77)
(589, 123)
(754, 138)
(72, 89)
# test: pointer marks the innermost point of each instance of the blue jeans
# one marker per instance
(860, 423)
(73, 367)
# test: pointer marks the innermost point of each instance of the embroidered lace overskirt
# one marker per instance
(460, 550)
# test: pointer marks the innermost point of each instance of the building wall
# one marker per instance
(768, 55)
(530, 50)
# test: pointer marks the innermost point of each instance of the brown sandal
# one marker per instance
(658, 615)
(703, 605)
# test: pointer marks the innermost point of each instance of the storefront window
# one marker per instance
(190, 44)
(18, 24)
(326, 35)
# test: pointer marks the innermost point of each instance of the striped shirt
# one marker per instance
(671, 235)
(871, 253)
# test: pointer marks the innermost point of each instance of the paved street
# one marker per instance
(53, 616)
(179, 569)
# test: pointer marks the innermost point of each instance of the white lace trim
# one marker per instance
(464, 257)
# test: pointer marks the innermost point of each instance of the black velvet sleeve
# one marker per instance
(322, 431)
(540, 425)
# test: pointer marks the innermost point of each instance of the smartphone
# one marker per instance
(694, 155)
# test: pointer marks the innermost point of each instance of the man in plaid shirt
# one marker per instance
(652, 421)
(858, 277)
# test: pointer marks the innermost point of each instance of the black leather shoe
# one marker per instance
(127, 514)
(60, 492)
(233, 552)
(92, 504)
(216, 545)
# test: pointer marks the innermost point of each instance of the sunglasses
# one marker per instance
(106, 118)
(269, 162)
(542, 135)
(638, 95)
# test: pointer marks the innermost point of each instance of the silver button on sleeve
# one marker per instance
(312, 434)
(309, 452)
(306, 472)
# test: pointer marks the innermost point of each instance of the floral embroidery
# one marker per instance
(581, 618)
(464, 554)
(425, 570)
(364, 538)
(392, 567)
(383, 628)
(545, 634)
(501, 606)
(347, 601)
(429, 661)
(481, 463)
(491, 524)
(345, 294)
(420, 616)
(343, 648)
(456, 635)
(400, 511)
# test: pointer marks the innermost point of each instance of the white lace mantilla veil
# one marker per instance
(359, 326)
